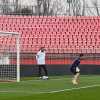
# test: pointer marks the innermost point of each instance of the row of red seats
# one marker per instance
(54, 32)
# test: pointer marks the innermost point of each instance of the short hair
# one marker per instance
(80, 55)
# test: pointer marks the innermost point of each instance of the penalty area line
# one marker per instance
(50, 92)
(70, 89)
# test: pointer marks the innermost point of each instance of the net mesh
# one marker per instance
(8, 57)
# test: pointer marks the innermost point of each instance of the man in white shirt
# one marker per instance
(40, 57)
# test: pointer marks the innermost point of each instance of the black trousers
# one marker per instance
(44, 68)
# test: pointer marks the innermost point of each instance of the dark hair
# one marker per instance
(80, 55)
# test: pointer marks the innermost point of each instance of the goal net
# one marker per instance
(9, 56)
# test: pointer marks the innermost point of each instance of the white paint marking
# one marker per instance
(50, 92)
(77, 88)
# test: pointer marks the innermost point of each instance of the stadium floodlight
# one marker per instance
(9, 56)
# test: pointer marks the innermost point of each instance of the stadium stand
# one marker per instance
(59, 35)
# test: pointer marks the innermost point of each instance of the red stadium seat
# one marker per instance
(61, 34)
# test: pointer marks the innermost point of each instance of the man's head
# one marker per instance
(42, 49)
(80, 55)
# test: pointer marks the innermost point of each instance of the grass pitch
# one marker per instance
(56, 88)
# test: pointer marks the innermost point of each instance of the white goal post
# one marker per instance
(9, 56)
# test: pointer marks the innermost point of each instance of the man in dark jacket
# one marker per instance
(75, 70)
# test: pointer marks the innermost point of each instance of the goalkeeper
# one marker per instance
(75, 70)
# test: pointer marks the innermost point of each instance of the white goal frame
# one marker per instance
(17, 35)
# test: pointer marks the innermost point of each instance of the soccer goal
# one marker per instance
(9, 56)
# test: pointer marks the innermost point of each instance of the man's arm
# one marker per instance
(37, 55)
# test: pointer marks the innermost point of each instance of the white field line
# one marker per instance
(56, 91)
(71, 89)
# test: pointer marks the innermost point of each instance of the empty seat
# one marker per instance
(77, 34)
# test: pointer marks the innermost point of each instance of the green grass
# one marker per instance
(35, 89)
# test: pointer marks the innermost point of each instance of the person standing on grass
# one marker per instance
(75, 70)
(40, 58)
